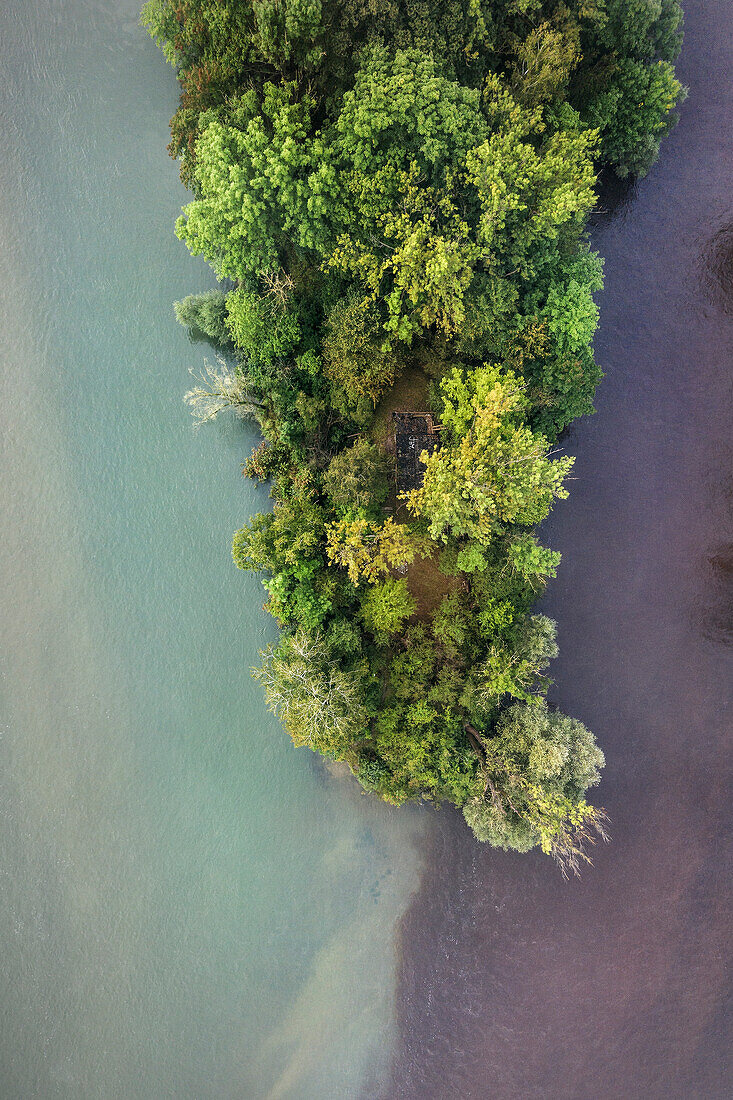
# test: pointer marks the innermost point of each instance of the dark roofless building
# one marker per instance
(414, 433)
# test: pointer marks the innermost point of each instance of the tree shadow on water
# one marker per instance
(615, 197)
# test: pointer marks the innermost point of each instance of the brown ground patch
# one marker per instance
(428, 585)
(410, 392)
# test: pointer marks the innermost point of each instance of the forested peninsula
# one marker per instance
(394, 198)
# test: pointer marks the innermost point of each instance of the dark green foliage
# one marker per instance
(357, 355)
(642, 29)
(399, 191)
(556, 355)
(356, 479)
(633, 113)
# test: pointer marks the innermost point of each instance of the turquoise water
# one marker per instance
(190, 907)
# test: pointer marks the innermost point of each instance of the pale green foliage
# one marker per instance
(321, 705)
(219, 388)
(497, 472)
(538, 766)
(471, 559)
(283, 538)
(417, 255)
(572, 315)
(204, 315)
(490, 823)
(385, 607)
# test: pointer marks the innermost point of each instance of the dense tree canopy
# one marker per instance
(395, 195)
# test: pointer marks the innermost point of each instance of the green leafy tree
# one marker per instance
(419, 738)
(356, 478)
(511, 668)
(252, 179)
(289, 33)
(497, 471)
(554, 349)
(426, 752)
(357, 355)
(288, 544)
(533, 562)
(544, 63)
(260, 327)
(643, 29)
(400, 134)
(385, 607)
(537, 768)
(528, 196)
(322, 705)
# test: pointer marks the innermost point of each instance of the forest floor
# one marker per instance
(410, 393)
(428, 585)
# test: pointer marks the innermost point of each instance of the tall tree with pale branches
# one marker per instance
(321, 705)
(221, 388)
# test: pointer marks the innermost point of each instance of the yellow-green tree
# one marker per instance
(369, 550)
(495, 470)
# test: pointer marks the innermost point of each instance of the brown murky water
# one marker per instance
(515, 984)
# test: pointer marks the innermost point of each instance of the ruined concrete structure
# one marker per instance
(414, 433)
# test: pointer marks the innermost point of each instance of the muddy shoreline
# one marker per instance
(514, 985)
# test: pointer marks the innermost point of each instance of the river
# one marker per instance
(518, 986)
(189, 907)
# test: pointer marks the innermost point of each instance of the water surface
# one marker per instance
(189, 907)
